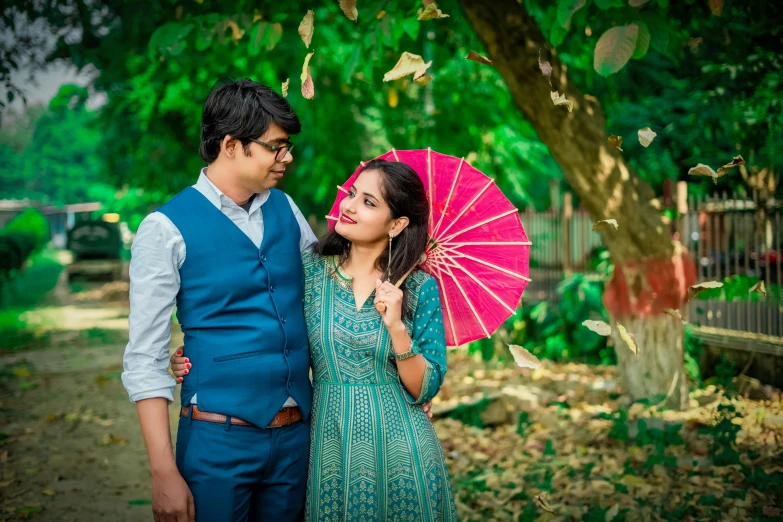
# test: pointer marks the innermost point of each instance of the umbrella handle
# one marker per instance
(381, 307)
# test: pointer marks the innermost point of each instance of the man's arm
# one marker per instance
(156, 255)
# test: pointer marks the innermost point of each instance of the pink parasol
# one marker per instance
(478, 251)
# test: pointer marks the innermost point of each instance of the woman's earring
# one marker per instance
(388, 268)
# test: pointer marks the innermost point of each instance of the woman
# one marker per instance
(374, 455)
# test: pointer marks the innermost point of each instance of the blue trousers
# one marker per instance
(243, 473)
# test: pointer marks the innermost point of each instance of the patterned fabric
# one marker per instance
(374, 455)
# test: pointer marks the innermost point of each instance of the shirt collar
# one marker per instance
(220, 200)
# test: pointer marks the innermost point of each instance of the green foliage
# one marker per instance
(22, 237)
(555, 331)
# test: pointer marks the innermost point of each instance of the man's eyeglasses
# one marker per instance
(279, 150)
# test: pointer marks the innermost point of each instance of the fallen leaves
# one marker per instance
(285, 87)
(349, 8)
(605, 223)
(616, 142)
(524, 358)
(599, 327)
(674, 313)
(705, 170)
(111, 439)
(758, 288)
(695, 290)
(560, 99)
(431, 12)
(306, 28)
(408, 63)
(476, 57)
(629, 338)
(308, 88)
(543, 504)
(646, 136)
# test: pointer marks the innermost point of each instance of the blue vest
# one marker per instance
(241, 310)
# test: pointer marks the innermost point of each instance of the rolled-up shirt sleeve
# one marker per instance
(156, 256)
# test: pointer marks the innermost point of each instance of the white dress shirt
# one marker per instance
(157, 253)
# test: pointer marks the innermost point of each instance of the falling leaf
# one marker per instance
(431, 12)
(423, 80)
(523, 358)
(616, 142)
(758, 288)
(606, 223)
(599, 327)
(637, 3)
(705, 170)
(407, 64)
(49, 492)
(349, 8)
(308, 88)
(629, 339)
(646, 136)
(735, 162)
(476, 57)
(380, 14)
(393, 98)
(560, 99)
(543, 504)
(615, 48)
(695, 290)
(306, 28)
(546, 68)
(612, 513)
(285, 87)
(674, 313)
(716, 6)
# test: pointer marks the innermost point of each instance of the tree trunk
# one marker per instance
(651, 271)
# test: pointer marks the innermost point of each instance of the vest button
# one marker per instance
(290, 383)
(282, 320)
(263, 259)
(287, 352)
(272, 289)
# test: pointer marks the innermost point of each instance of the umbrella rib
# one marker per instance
(490, 220)
(462, 212)
(448, 308)
(485, 263)
(429, 182)
(448, 199)
(343, 189)
(467, 300)
(482, 285)
(333, 218)
(396, 158)
(491, 243)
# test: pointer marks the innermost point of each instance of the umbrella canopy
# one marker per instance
(478, 251)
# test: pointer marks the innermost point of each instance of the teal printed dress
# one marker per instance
(374, 455)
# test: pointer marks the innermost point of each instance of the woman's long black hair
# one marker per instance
(404, 193)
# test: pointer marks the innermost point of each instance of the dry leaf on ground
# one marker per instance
(646, 136)
(476, 57)
(629, 339)
(695, 290)
(599, 327)
(616, 142)
(543, 504)
(431, 12)
(408, 63)
(306, 28)
(758, 288)
(308, 88)
(349, 8)
(560, 99)
(606, 223)
(523, 358)
(285, 87)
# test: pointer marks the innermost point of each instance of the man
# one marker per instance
(226, 253)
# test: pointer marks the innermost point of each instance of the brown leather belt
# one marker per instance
(284, 417)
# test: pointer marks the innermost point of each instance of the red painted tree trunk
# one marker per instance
(650, 271)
